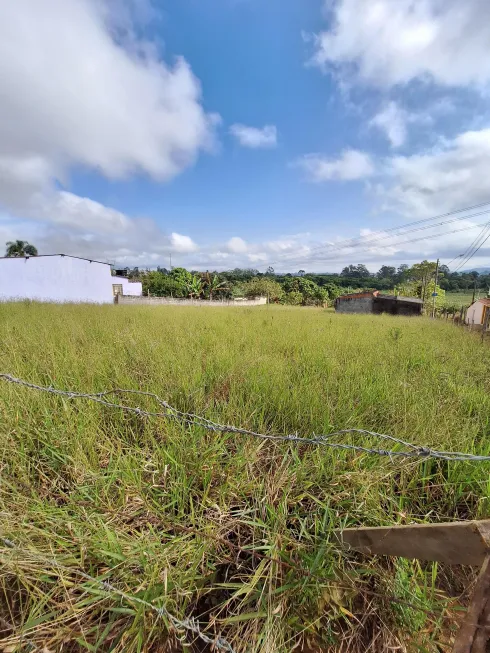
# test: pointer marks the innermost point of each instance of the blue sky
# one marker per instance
(239, 132)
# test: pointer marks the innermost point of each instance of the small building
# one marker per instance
(374, 302)
(58, 278)
(477, 312)
(123, 286)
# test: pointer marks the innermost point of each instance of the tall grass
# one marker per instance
(233, 531)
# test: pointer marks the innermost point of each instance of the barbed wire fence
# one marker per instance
(190, 625)
(325, 440)
(179, 625)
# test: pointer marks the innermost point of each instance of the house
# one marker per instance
(56, 278)
(374, 302)
(478, 311)
(123, 286)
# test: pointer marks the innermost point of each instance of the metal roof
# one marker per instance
(484, 300)
(376, 295)
(82, 258)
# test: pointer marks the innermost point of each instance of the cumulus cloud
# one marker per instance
(254, 137)
(385, 43)
(351, 165)
(90, 96)
(237, 245)
(182, 244)
(453, 175)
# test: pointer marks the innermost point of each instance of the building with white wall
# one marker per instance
(123, 286)
(477, 312)
(55, 278)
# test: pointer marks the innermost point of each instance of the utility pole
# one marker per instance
(474, 292)
(170, 261)
(434, 294)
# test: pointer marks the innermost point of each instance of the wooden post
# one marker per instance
(474, 632)
(454, 543)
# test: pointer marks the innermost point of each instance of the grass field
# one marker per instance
(463, 298)
(231, 530)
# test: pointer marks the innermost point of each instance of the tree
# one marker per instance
(422, 273)
(301, 273)
(310, 292)
(386, 272)
(19, 248)
(162, 285)
(213, 284)
(270, 272)
(357, 271)
(293, 298)
(194, 286)
(181, 275)
(263, 287)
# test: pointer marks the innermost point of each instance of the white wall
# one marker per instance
(474, 314)
(130, 288)
(55, 279)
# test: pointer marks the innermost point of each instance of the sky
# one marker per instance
(245, 133)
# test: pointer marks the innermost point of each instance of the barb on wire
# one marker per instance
(410, 450)
(187, 624)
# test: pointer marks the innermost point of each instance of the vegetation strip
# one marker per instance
(414, 451)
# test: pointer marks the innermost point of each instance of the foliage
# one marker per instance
(293, 298)
(194, 287)
(162, 285)
(263, 287)
(160, 510)
(310, 292)
(20, 248)
(316, 289)
(214, 285)
(417, 289)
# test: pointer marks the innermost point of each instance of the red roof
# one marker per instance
(485, 301)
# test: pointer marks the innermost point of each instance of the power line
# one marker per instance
(351, 242)
(483, 237)
(402, 242)
(471, 245)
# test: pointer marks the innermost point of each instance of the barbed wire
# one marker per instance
(410, 450)
(186, 624)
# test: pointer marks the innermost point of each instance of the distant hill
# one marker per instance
(479, 270)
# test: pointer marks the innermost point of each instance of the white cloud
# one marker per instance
(237, 245)
(253, 137)
(387, 42)
(182, 244)
(392, 120)
(451, 176)
(94, 97)
(78, 96)
(351, 165)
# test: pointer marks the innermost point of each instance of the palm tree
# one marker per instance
(19, 248)
(214, 284)
(194, 287)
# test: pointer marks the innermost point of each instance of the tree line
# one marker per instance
(301, 288)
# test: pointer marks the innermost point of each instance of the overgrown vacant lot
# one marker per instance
(229, 529)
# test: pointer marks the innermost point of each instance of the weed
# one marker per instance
(231, 531)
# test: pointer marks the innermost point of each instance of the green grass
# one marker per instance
(233, 531)
(463, 298)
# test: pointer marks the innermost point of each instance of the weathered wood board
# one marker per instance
(473, 634)
(456, 543)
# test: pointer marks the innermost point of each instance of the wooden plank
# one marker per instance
(456, 543)
(473, 635)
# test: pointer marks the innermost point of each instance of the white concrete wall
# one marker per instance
(167, 301)
(474, 314)
(130, 288)
(55, 279)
